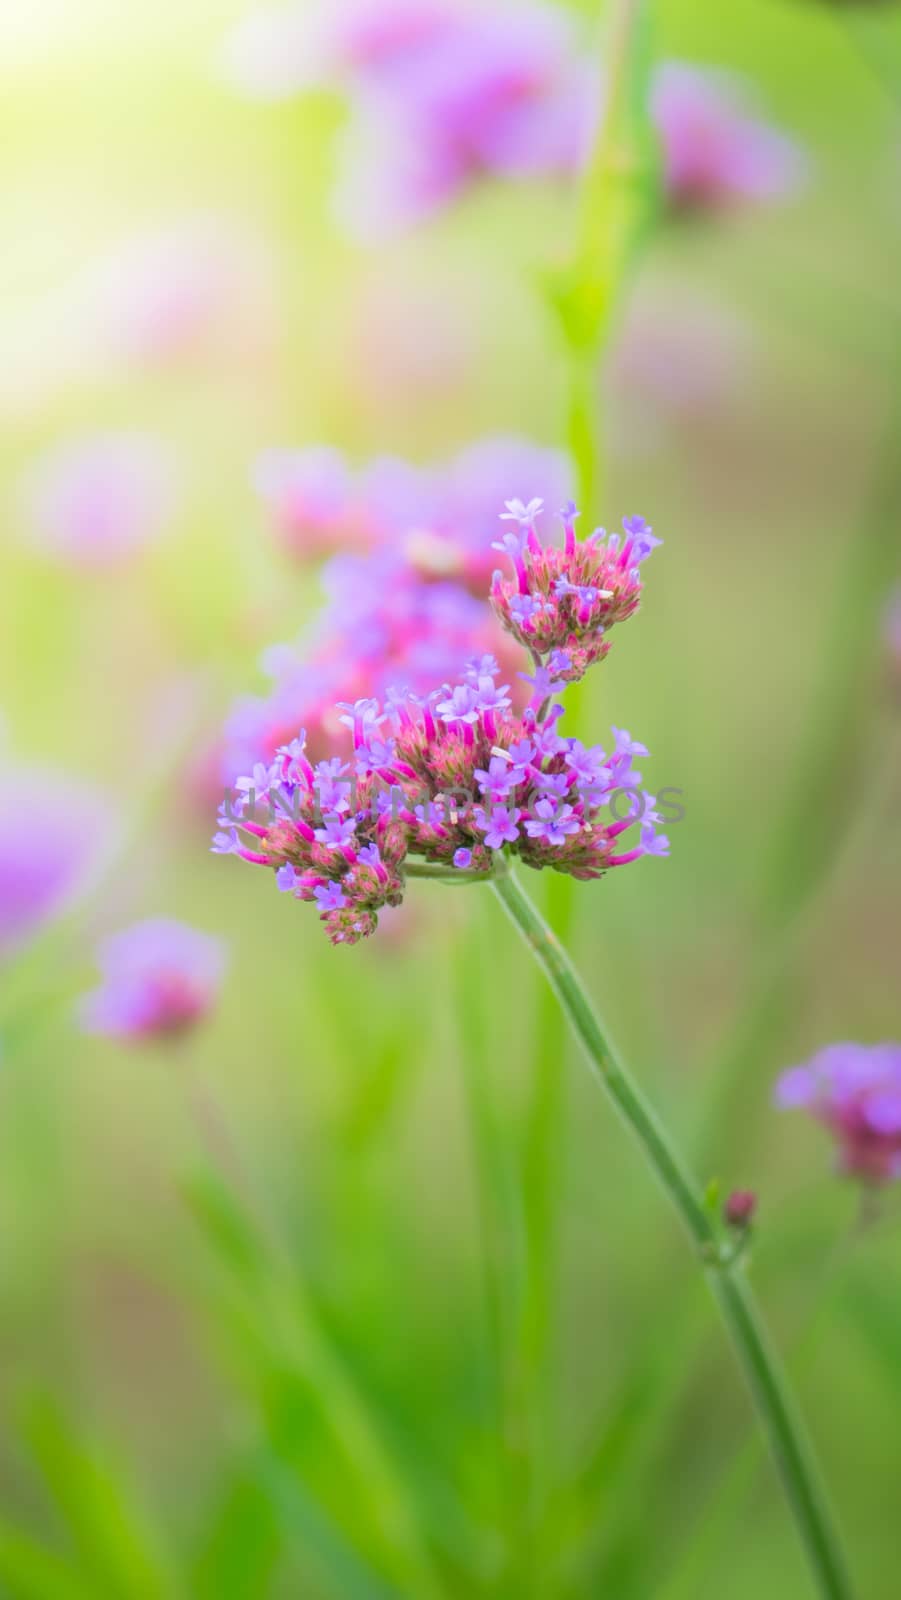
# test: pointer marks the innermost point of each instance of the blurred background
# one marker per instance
(355, 1288)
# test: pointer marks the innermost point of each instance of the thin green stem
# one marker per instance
(775, 1407)
(616, 203)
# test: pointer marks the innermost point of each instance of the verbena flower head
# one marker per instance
(53, 828)
(855, 1091)
(445, 778)
(160, 978)
(561, 603)
(94, 502)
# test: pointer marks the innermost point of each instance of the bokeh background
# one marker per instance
(257, 1308)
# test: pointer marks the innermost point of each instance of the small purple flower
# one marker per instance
(370, 855)
(286, 879)
(524, 606)
(330, 897)
(461, 705)
(376, 754)
(462, 858)
(521, 754)
(498, 779)
(544, 684)
(481, 667)
(642, 538)
(551, 822)
(625, 745)
(525, 516)
(498, 825)
(160, 977)
(431, 815)
(336, 832)
(554, 784)
(587, 764)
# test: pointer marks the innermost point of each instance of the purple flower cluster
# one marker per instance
(444, 92)
(855, 1091)
(447, 778)
(401, 612)
(562, 603)
(160, 977)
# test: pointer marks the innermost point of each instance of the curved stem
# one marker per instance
(775, 1406)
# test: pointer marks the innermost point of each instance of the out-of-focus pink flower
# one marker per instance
(474, 485)
(160, 977)
(716, 151)
(892, 631)
(444, 92)
(53, 828)
(489, 96)
(441, 91)
(382, 626)
(95, 501)
(309, 495)
(855, 1090)
(169, 291)
(442, 519)
(677, 357)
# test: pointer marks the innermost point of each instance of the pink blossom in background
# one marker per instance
(445, 92)
(309, 496)
(381, 626)
(676, 359)
(474, 485)
(855, 1091)
(716, 150)
(892, 629)
(53, 830)
(183, 286)
(160, 977)
(93, 502)
(441, 518)
(492, 97)
(440, 93)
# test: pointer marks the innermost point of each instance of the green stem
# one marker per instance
(615, 206)
(775, 1407)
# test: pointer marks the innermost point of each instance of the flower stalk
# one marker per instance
(617, 203)
(772, 1398)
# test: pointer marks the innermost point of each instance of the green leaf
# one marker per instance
(29, 1571)
(110, 1533)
